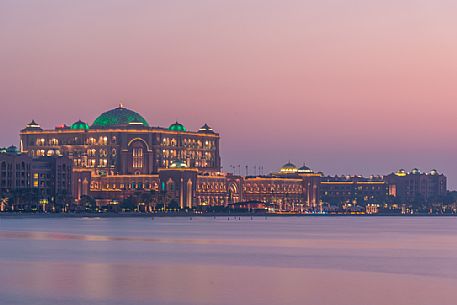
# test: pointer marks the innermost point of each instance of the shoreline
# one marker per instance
(190, 214)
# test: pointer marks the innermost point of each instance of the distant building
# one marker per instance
(353, 189)
(32, 181)
(52, 177)
(15, 170)
(416, 186)
(290, 189)
(286, 190)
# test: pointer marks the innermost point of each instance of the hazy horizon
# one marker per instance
(348, 87)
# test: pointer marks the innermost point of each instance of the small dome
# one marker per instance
(415, 171)
(177, 127)
(305, 169)
(12, 150)
(206, 129)
(178, 164)
(434, 172)
(401, 173)
(288, 168)
(119, 117)
(79, 125)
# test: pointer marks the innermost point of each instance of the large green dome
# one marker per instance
(119, 117)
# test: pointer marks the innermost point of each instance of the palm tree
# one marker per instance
(63, 201)
(88, 203)
(149, 198)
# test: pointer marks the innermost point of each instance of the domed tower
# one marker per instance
(305, 170)
(79, 125)
(288, 168)
(415, 171)
(177, 127)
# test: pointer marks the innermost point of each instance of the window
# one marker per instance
(137, 157)
(91, 141)
(103, 140)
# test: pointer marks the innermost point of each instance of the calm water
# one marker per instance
(316, 261)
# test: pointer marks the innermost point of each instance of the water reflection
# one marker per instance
(205, 261)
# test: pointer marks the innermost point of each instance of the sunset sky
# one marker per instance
(349, 87)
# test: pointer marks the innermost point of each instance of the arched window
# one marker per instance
(137, 154)
(170, 185)
(189, 194)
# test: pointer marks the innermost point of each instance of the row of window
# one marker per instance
(191, 143)
(91, 162)
(43, 153)
(122, 186)
(92, 152)
(359, 188)
(102, 140)
(272, 188)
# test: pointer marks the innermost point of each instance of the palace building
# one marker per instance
(120, 141)
(120, 154)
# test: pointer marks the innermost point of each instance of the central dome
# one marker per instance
(119, 117)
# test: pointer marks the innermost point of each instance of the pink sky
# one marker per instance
(357, 87)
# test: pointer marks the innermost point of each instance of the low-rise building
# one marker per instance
(353, 189)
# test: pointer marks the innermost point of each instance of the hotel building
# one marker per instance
(120, 154)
